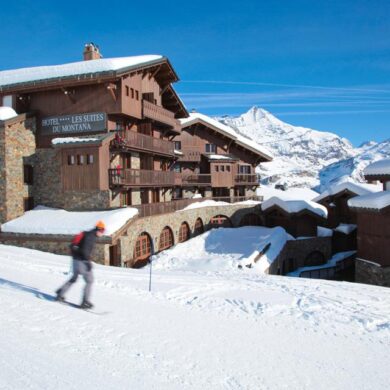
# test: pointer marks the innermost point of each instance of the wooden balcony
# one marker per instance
(141, 178)
(196, 179)
(222, 179)
(247, 179)
(144, 143)
(160, 114)
(191, 156)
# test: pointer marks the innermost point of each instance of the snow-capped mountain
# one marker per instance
(352, 168)
(300, 153)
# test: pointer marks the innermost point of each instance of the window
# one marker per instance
(71, 159)
(89, 159)
(222, 168)
(220, 221)
(132, 92)
(137, 95)
(228, 168)
(184, 232)
(28, 203)
(216, 168)
(245, 169)
(127, 91)
(80, 159)
(177, 145)
(176, 168)
(28, 174)
(166, 239)
(211, 148)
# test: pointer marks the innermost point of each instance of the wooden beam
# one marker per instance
(111, 88)
(151, 75)
(69, 94)
(162, 91)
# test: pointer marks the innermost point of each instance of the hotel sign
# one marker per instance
(90, 122)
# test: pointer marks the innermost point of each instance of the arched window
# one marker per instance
(166, 239)
(314, 258)
(220, 221)
(198, 228)
(184, 232)
(142, 250)
(250, 220)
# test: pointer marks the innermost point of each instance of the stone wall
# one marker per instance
(297, 253)
(371, 273)
(155, 224)
(17, 147)
(57, 244)
(48, 186)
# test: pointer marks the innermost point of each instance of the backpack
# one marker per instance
(75, 245)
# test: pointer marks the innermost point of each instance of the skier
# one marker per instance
(82, 247)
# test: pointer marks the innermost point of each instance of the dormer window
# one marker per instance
(211, 148)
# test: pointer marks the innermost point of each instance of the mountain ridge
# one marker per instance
(304, 157)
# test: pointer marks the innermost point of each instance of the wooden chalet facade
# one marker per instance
(373, 228)
(214, 162)
(116, 119)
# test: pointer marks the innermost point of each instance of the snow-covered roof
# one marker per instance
(45, 220)
(178, 152)
(68, 140)
(38, 73)
(225, 249)
(295, 206)
(356, 188)
(346, 228)
(196, 117)
(381, 167)
(377, 201)
(220, 157)
(7, 113)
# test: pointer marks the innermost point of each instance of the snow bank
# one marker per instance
(7, 113)
(346, 228)
(375, 201)
(217, 331)
(381, 167)
(205, 203)
(295, 206)
(356, 188)
(224, 249)
(45, 220)
(22, 75)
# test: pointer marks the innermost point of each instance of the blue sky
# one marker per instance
(320, 64)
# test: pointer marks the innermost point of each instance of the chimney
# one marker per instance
(91, 52)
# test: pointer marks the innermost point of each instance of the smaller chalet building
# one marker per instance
(215, 161)
(298, 217)
(373, 228)
(335, 199)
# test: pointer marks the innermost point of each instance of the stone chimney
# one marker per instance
(91, 52)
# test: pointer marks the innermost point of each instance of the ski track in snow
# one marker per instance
(195, 330)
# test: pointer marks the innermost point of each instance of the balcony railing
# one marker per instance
(140, 178)
(246, 179)
(190, 156)
(197, 179)
(142, 142)
(160, 114)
